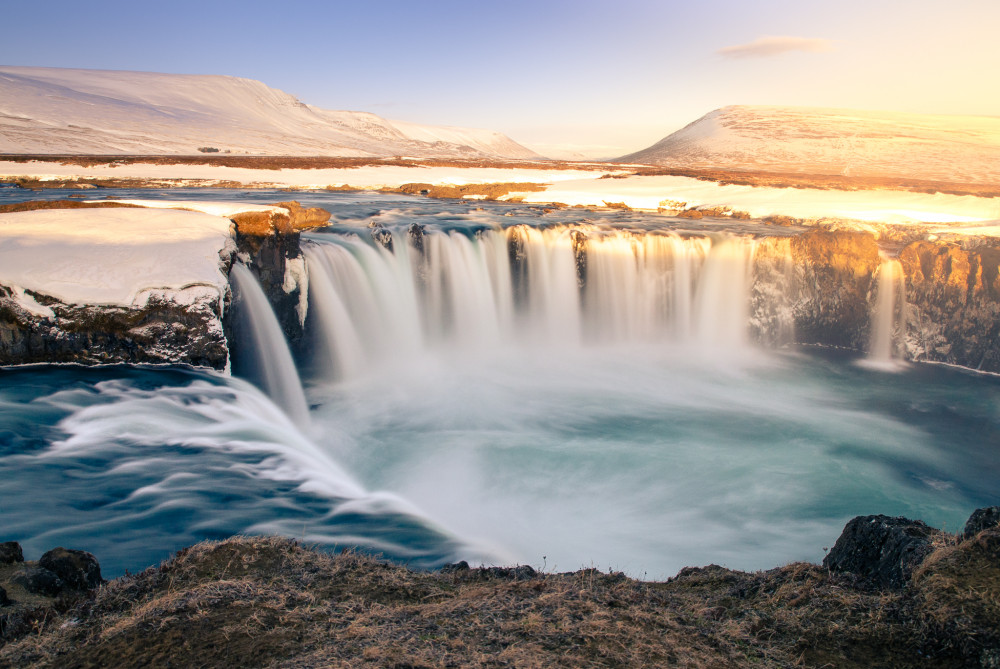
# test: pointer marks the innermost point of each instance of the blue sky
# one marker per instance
(605, 77)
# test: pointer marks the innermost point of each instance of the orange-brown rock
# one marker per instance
(943, 264)
(834, 276)
(293, 219)
(953, 296)
(851, 253)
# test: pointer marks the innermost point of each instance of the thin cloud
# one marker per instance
(763, 47)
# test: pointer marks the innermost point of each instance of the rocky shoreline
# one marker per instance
(892, 592)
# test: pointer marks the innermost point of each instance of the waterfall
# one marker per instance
(888, 316)
(274, 368)
(564, 286)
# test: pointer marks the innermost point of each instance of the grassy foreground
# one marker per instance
(266, 601)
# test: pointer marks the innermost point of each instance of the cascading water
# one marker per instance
(562, 286)
(274, 368)
(889, 315)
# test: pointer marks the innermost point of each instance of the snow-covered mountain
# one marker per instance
(835, 141)
(56, 110)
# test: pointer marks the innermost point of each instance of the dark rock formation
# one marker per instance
(269, 247)
(416, 235)
(77, 569)
(953, 303)
(4, 599)
(880, 551)
(381, 236)
(38, 580)
(833, 279)
(159, 332)
(821, 285)
(162, 330)
(982, 519)
(10, 552)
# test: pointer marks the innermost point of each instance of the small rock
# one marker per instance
(519, 573)
(10, 552)
(981, 519)
(4, 599)
(79, 569)
(39, 580)
(880, 550)
(381, 236)
(454, 567)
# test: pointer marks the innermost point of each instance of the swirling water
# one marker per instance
(541, 429)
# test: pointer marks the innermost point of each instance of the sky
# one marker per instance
(581, 78)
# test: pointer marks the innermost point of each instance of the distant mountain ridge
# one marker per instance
(834, 141)
(75, 111)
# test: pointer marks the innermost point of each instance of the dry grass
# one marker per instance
(34, 205)
(270, 602)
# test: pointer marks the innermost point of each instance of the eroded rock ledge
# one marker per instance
(182, 325)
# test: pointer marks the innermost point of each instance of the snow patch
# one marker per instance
(835, 141)
(29, 304)
(296, 276)
(885, 206)
(55, 110)
(215, 208)
(113, 256)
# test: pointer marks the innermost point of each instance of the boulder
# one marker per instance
(4, 599)
(39, 581)
(78, 569)
(10, 552)
(880, 551)
(987, 518)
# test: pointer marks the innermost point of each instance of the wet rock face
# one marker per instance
(269, 245)
(833, 280)
(159, 332)
(881, 551)
(953, 303)
(952, 311)
(270, 259)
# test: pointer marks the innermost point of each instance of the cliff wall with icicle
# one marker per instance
(808, 286)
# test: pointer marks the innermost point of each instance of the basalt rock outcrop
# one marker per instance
(187, 326)
(953, 302)
(821, 287)
(161, 331)
(881, 551)
(268, 244)
(830, 294)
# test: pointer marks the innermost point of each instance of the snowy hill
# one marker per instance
(55, 110)
(835, 141)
